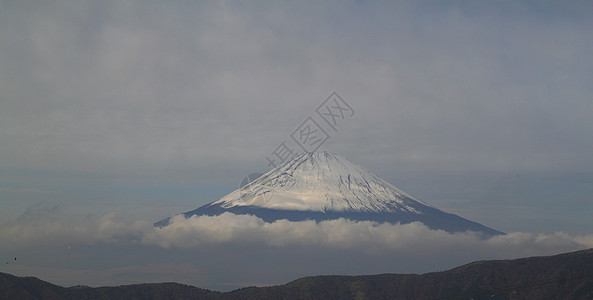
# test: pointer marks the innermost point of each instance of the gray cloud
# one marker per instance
(152, 108)
(115, 87)
(40, 226)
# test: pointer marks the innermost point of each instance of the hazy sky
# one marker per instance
(114, 115)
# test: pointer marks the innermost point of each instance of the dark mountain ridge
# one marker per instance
(563, 276)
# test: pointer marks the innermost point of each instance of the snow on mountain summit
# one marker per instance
(322, 181)
(325, 186)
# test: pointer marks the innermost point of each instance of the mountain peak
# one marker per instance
(325, 186)
(322, 181)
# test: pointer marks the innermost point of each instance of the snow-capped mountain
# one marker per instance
(321, 182)
(322, 186)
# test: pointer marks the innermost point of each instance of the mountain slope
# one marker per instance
(323, 186)
(563, 276)
(321, 182)
(13, 287)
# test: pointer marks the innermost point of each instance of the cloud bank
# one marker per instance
(229, 229)
(230, 251)
(365, 236)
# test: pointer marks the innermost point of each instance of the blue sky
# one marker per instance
(148, 109)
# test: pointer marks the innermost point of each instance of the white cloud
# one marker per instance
(224, 246)
(47, 228)
(365, 236)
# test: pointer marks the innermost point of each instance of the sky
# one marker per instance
(114, 115)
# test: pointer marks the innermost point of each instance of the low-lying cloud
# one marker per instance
(365, 236)
(46, 227)
(229, 229)
(230, 251)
